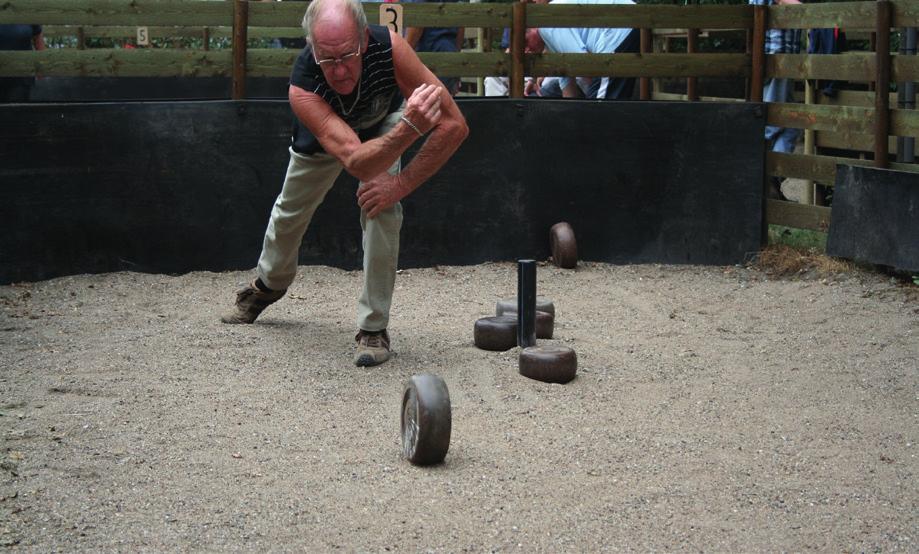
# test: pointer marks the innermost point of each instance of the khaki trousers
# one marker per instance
(308, 180)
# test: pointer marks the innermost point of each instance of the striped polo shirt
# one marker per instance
(379, 95)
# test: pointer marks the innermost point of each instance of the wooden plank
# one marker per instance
(904, 123)
(859, 142)
(849, 98)
(848, 15)
(467, 64)
(637, 65)
(640, 16)
(905, 13)
(855, 142)
(799, 216)
(120, 62)
(819, 168)
(118, 12)
(270, 62)
(290, 14)
(455, 14)
(904, 68)
(676, 97)
(159, 31)
(277, 62)
(821, 118)
(459, 14)
(851, 66)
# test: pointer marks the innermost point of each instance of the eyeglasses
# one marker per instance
(335, 62)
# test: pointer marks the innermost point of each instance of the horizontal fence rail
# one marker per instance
(238, 23)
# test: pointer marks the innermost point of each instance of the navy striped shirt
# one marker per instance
(379, 94)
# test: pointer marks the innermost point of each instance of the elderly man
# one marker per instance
(589, 41)
(346, 91)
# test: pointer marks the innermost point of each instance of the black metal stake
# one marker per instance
(526, 303)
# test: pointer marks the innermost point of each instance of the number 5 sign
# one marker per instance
(143, 37)
(391, 16)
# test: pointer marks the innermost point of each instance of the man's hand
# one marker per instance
(531, 87)
(423, 107)
(378, 194)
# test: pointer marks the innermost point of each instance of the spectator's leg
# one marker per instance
(778, 90)
(550, 88)
(496, 86)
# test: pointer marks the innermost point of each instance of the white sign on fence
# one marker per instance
(143, 36)
(391, 16)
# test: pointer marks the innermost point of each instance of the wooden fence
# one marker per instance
(239, 20)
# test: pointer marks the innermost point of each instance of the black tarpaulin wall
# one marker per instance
(875, 217)
(172, 187)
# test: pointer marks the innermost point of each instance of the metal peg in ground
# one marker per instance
(526, 303)
(550, 363)
(563, 246)
(496, 333)
(426, 419)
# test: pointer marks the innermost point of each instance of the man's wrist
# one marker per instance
(411, 125)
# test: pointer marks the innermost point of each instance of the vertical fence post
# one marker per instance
(748, 37)
(882, 80)
(207, 38)
(692, 46)
(81, 38)
(906, 97)
(240, 38)
(644, 83)
(518, 39)
(757, 71)
(758, 56)
(810, 98)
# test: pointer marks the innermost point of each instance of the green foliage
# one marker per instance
(797, 238)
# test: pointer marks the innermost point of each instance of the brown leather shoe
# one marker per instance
(372, 348)
(250, 301)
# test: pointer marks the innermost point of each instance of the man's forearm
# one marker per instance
(377, 155)
(435, 152)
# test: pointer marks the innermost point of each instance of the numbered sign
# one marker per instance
(391, 16)
(143, 36)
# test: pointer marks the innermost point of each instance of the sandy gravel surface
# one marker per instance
(715, 409)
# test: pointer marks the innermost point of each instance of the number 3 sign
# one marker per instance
(391, 16)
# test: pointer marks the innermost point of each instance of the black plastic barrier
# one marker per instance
(875, 217)
(171, 187)
(118, 89)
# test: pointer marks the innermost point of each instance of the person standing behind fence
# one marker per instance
(600, 40)
(346, 91)
(19, 37)
(780, 41)
(437, 39)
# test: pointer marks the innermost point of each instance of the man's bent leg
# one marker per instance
(308, 180)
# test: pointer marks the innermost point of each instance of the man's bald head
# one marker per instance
(334, 11)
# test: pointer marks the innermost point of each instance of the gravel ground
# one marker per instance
(715, 408)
